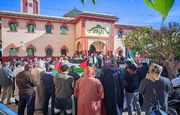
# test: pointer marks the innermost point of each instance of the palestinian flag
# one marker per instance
(57, 68)
(80, 66)
(129, 57)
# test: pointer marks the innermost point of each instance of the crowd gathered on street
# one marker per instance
(108, 91)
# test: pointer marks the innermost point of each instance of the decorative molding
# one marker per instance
(98, 29)
(30, 46)
(49, 24)
(64, 25)
(49, 47)
(13, 46)
(31, 22)
(12, 20)
(64, 47)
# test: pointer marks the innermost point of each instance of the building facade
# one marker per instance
(29, 34)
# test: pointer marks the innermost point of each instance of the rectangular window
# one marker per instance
(30, 52)
(63, 30)
(13, 27)
(48, 29)
(119, 35)
(30, 28)
(13, 52)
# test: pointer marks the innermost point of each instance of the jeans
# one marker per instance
(46, 102)
(29, 101)
(133, 98)
(147, 112)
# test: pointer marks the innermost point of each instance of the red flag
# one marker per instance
(57, 67)
(83, 65)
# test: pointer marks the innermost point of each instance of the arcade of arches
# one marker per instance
(96, 46)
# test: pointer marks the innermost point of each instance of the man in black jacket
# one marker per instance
(76, 76)
(112, 81)
(131, 87)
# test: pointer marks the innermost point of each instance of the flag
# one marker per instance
(57, 68)
(129, 57)
(83, 65)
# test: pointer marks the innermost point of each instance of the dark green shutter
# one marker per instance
(13, 52)
(30, 28)
(48, 52)
(30, 52)
(48, 29)
(13, 27)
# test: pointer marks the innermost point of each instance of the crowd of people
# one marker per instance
(34, 84)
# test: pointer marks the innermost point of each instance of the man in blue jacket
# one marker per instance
(6, 82)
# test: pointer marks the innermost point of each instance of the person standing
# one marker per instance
(112, 81)
(154, 82)
(49, 89)
(89, 92)
(6, 82)
(131, 86)
(37, 72)
(26, 82)
(141, 72)
(76, 76)
(63, 91)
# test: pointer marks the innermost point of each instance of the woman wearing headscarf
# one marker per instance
(38, 72)
(89, 92)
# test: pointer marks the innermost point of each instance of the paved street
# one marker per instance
(15, 108)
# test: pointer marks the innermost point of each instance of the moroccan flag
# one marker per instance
(83, 65)
(57, 68)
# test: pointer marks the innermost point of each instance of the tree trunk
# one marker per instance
(171, 69)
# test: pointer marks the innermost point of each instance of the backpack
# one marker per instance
(155, 109)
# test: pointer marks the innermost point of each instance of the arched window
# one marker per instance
(48, 29)
(30, 28)
(30, 52)
(13, 52)
(63, 30)
(48, 52)
(63, 52)
(119, 34)
(13, 26)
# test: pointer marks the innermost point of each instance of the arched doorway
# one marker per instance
(92, 49)
(97, 47)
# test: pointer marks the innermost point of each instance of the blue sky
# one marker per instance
(128, 11)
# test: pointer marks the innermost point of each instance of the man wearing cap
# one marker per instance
(26, 82)
(63, 90)
(131, 87)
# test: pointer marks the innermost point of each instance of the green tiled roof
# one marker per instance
(36, 16)
(99, 15)
(128, 26)
(73, 13)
